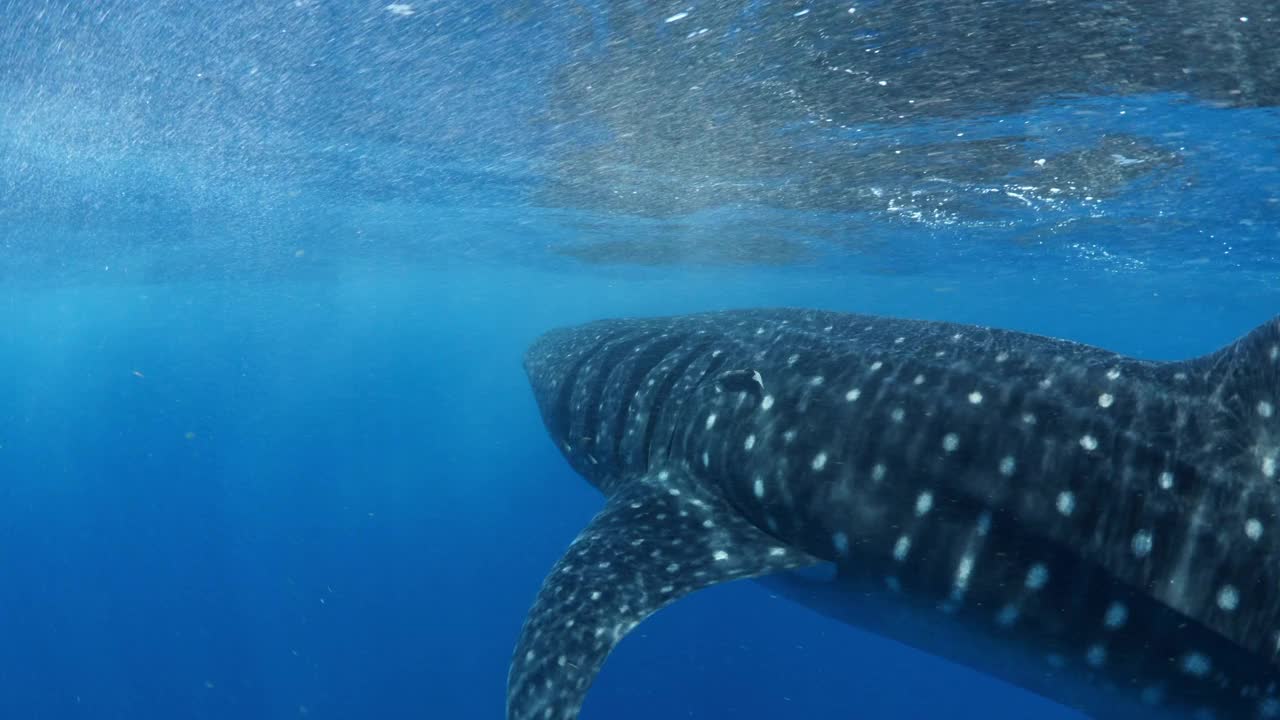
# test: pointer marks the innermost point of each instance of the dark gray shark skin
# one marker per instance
(1098, 529)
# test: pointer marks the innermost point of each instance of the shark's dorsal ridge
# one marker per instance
(658, 539)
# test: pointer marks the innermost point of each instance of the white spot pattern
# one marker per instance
(984, 524)
(1007, 616)
(819, 461)
(1066, 502)
(1196, 664)
(1116, 616)
(1142, 542)
(901, 548)
(1253, 528)
(1228, 598)
(924, 503)
(1037, 576)
(1008, 465)
(963, 570)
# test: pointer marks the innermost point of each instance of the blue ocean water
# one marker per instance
(268, 271)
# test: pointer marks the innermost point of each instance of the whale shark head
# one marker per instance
(570, 376)
(617, 396)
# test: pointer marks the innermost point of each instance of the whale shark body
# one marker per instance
(1101, 530)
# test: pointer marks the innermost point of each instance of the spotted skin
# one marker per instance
(1111, 522)
(660, 537)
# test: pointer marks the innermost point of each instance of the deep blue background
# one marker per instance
(367, 502)
(266, 448)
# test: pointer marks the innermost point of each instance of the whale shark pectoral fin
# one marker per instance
(659, 538)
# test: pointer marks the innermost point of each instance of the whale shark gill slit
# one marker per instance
(600, 384)
(691, 380)
(562, 414)
(637, 371)
(662, 396)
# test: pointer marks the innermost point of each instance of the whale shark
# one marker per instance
(1101, 530)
